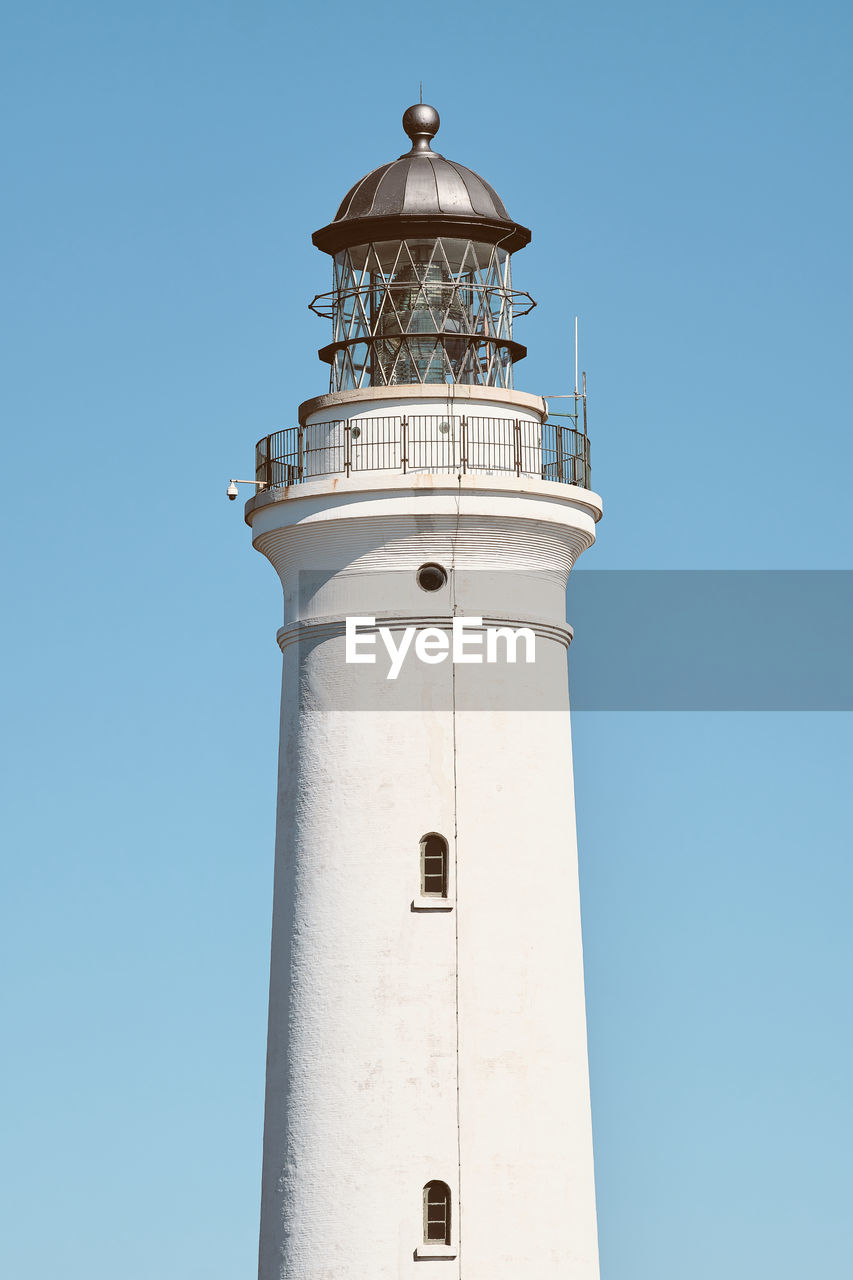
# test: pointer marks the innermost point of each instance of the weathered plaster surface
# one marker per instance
(411, 1045)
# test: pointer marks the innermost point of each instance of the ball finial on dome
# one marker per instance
(421, 123)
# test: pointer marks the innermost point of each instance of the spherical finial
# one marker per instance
(421, 123)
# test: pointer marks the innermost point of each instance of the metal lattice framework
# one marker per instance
(422, 311)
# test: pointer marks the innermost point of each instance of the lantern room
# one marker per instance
(422, 283)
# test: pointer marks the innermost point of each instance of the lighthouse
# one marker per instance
(427, 1097)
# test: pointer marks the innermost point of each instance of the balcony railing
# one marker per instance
(425, 443)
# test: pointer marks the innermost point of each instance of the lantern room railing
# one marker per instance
(425, 443)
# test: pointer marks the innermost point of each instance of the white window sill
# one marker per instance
(435, 1251)
(424, 902)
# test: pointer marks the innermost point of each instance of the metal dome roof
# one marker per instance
(421, 193)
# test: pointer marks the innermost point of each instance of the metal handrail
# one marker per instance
(448, 443)
(327, 305)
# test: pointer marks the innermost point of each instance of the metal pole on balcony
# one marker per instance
(260, 459)
(576, 363)
(464, 444)
(559, 431)
(347, 447)
(403, 430)
(299, 444)
(585, 469)
(516, 439)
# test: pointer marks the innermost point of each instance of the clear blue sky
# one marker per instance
(686, 172)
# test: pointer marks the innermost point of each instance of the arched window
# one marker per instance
(436, 1213)
(434, 866)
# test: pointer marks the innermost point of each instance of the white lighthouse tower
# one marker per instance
(427, 1097)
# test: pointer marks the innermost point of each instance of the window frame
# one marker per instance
(426, 875)
(443, 1248)
(435, 1184)
(430, 900)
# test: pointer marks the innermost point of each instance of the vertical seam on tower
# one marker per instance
(456, 866)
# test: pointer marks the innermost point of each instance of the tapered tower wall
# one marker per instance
(410, 1044)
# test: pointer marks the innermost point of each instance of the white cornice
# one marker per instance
(456, 393)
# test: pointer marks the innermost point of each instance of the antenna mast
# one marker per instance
(576, 355)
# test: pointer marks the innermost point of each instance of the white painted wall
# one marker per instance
(405, 1045)
(434, 439)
